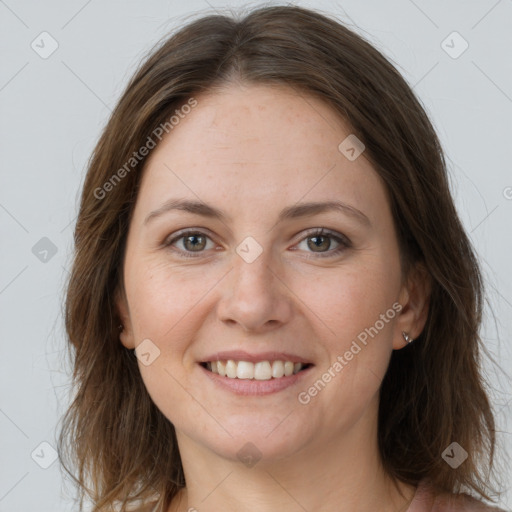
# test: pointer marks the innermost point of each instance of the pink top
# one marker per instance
(425, 501)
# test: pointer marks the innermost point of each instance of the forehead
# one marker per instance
(242, 117)
(260, 143)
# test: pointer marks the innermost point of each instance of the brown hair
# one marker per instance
(433, 393)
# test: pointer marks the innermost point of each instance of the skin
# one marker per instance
(252, 151)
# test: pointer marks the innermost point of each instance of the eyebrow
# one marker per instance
(299, 210)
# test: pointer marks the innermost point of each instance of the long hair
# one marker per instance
(119, 446)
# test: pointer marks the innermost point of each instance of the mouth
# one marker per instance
(258, 371)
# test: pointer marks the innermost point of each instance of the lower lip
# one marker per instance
(253, 386)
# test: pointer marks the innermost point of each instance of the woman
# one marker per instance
(273, 303)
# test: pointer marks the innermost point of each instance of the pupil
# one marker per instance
(316, 245)
(194, 245)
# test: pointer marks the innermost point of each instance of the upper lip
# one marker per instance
(240, 355)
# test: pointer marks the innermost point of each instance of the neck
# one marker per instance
(343, 475)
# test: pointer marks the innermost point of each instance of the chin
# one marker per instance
(258, 441)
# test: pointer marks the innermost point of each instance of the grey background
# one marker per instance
(52, 111)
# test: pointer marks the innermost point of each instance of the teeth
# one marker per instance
(262, 370)
(245, 370)
(221, 368)
(277, 369)
(231, 367)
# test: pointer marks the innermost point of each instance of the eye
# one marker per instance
(190, 242)
(320, 241)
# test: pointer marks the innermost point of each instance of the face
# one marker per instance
(258, 275)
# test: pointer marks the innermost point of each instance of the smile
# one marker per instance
(261, 370)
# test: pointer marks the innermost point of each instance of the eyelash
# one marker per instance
(341, 239)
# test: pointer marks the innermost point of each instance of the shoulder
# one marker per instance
(426, 500)
(461, 503)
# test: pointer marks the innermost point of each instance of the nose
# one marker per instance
(254, 296)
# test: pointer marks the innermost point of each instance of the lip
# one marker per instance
(240, 355)
(252, 386)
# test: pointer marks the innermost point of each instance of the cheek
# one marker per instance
(358, 314)
(164, 299)
(167, 387)
(351, 300)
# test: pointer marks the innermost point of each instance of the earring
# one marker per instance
(407, 338)
(120, 327)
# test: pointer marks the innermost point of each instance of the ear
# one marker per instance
(126, 334)
(415, 300)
